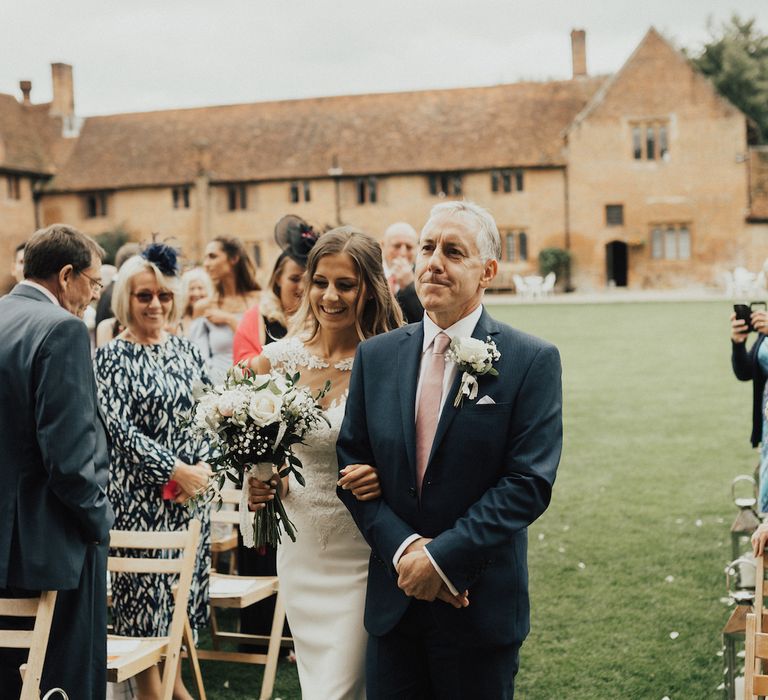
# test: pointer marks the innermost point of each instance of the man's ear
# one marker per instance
(490, 270)
(65, 275)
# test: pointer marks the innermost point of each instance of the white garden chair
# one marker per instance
(548, 285)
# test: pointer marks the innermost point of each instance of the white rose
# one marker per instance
(265, 407)
(471, 350)
(231, 402)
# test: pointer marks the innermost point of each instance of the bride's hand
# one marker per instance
(261, 492)
(362, 480)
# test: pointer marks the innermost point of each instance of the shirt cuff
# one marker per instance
(446, 580)
(402, 547)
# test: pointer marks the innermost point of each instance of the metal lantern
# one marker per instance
(747, 520)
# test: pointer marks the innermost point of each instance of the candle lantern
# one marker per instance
(747, 520)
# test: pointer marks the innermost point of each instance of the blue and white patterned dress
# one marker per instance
(144, 391)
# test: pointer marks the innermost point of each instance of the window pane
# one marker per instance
(232, 198)
(307, 196)
(257, 254)
(684, 243)
(294, 192)
(637, 143)
(507, 180)
(456, 181)
(670, 244)
(657, 246)
(523, 245)
(494, 180)
(243, 197)
(186, 197)
(614, 214)
(519, 180)
(360, 191)
(433, 185)
(650, 143)
(510, 247)
(663, 145)
(175, 195)
(373, 193)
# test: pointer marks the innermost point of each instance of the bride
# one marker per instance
(323, 574)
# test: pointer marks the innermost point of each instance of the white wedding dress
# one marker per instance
(323, 575)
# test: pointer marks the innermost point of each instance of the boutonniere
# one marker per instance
(474, 358)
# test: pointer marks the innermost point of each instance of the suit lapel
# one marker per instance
(485, 327)
(408, 364)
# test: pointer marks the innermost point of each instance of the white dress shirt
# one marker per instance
(40, 288)
(463, 328)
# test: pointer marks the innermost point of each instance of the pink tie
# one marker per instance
(428, 410)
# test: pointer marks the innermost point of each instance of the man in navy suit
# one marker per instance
(54, 512)
(447, 606)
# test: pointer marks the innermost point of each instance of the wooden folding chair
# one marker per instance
(237, 592)
(128, 656)
(228, 519)
(36, 639)
(755, 680)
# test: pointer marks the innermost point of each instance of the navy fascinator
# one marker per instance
(164, 257)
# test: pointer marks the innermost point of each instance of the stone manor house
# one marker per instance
(647, 176)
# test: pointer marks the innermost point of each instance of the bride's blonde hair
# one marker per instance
(381, 312)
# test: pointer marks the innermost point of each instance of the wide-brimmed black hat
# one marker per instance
(295, 237)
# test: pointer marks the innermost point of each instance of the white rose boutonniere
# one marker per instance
(474, 358)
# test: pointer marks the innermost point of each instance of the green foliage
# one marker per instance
(557, 260)
(736, 60)
(111, 242)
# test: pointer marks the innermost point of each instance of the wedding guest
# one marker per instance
(107, 326)
(752, 366)
(235, 291)
(17, 266)
(399, 250)
(281, 298)
(323, 574)
(54, 513)
(462, 475)
(195, 286)
(145, 379)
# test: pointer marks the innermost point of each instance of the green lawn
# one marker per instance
(656, 427)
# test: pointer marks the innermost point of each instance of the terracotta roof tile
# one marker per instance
(505, 125)
(29, 138)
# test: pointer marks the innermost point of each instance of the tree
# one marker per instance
(736, 60)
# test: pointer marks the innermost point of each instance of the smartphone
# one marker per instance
(744, 311)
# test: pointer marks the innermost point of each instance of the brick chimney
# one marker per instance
(579, 52)
(63, 104)
(26, 89)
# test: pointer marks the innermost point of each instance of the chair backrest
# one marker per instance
(36, 639)
(228, 516)
(184, 566)
(549, 281)
(520, 285)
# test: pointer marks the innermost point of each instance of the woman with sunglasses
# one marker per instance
(144, 380)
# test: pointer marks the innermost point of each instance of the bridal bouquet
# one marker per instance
(252, 422)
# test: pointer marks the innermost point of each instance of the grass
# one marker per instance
(656, 426)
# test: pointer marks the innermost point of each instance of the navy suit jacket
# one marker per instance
(53, 447)
(490, 474)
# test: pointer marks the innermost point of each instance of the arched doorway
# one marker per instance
(616, 263)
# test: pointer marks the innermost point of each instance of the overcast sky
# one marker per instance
(138, 55)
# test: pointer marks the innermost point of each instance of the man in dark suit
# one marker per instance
(54, 512)
(447, 605)
(398, 249)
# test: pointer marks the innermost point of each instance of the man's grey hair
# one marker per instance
(401, 228)
(488, 238)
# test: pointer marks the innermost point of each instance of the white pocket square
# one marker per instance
(485, 400)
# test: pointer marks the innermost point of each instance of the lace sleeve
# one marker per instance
(284, 354)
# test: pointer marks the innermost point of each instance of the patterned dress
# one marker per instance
(144, 392)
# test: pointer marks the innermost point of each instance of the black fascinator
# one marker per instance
(295, 237)
(163, 256)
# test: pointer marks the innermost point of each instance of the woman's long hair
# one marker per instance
(244, 269)
(381, 312)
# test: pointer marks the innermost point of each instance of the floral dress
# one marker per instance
(144, 392)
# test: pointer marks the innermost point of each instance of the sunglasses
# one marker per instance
(146, 297)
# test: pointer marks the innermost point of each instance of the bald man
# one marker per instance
(399, 252)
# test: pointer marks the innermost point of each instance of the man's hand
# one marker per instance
(417, 578)
(402, 271)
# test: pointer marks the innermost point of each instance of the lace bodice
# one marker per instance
(314, 508)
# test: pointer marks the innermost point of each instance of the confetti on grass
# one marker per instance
(674, 635)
